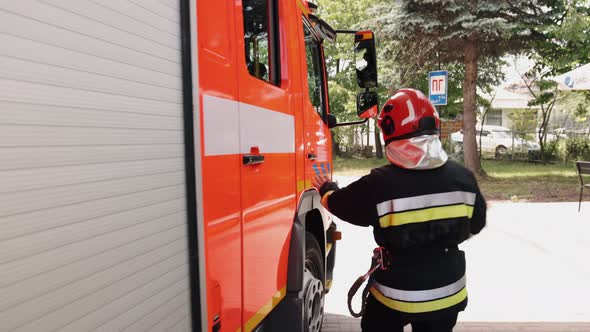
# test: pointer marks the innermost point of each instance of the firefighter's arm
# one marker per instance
(478, 221)
(351, 203)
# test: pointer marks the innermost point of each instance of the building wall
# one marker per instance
(505, 116)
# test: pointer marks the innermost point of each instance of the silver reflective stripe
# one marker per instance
(423, 295)
(425, 201)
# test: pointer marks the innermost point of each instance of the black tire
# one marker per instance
(313, 256)
(314, 288)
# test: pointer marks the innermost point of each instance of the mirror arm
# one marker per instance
(350, 123)
(352, 32)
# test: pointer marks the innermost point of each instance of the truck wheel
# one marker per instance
(314, 285)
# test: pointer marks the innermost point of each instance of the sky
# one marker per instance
(515, 65)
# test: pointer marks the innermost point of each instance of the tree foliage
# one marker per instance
(566, 40)
(490, 75)
(523, 121)
(466, 37)
(564, 46)
(432, 32)
(470, 32)
(343, 88)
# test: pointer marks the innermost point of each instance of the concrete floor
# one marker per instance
(530, 264)
(338, 323)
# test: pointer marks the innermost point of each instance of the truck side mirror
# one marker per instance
(365, 56)
(367, 105)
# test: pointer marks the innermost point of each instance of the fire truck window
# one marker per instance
(314, 71)
(261, 39)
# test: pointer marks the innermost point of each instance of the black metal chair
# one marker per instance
(583, 169)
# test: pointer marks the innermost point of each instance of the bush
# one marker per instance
(367, 152)
(578, 148)
(555, 150)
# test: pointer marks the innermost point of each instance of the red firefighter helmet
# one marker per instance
(408, 114)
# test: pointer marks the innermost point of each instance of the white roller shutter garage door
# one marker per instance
(93, 232)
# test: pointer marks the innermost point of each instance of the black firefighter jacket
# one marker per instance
(419, 216)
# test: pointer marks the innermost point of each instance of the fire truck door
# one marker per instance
(267, 147)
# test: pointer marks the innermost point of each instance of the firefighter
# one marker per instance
(421, 206)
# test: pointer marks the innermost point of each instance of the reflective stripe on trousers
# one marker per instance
(423, 300)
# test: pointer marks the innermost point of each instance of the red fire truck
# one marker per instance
(156, 159)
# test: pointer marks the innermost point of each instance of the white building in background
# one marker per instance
(515, 97)
(507, 100)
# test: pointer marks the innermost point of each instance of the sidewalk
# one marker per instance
(530, 264)
(339, 323)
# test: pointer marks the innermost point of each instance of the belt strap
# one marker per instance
(378, 261)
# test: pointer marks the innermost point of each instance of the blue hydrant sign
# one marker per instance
(437, 91)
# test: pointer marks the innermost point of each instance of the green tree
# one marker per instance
(565, 44)
(524, 121)
(345, 15)
(463, 31)
(545, 96)
(575, 106)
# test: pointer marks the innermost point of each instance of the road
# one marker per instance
(530, 264)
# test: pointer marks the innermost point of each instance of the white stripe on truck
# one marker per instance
(270, 131)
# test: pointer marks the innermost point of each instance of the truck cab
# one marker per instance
(270, 245)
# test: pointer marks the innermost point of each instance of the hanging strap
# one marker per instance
(378, 261)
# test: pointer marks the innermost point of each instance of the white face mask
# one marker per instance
(421, 152)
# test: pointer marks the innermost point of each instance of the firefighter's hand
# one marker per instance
(319, 180)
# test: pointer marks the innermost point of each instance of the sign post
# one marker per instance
(438, 90)
(437, 87)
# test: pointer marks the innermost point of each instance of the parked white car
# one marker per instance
(552, 135)
(497, 140)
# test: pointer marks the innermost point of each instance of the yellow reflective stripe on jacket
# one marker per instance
(426, 201)
(424, 215)
(420, 307)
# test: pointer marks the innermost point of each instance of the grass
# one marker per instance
(356, 166)
(521, 181)
(514, 169)
(506, 180)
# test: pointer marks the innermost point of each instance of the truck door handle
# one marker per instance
(311, 156)
(251, 159)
